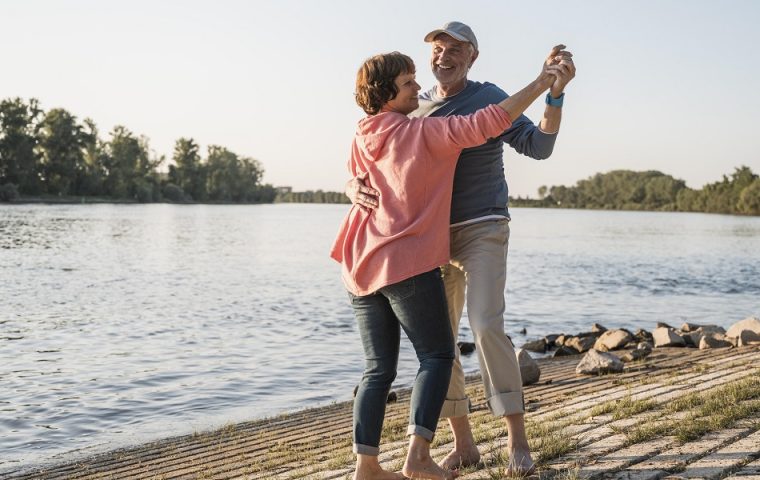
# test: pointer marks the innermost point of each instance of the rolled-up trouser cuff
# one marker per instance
(455, 408)
(421, 431)
(509, 403)
(366, 450)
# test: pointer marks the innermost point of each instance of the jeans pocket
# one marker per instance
(352, 298)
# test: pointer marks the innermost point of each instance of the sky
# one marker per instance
(668, 85)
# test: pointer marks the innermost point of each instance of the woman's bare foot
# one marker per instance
(459, 458)
(419, 464)
(378, 475)
(368, 468)
(426, 468)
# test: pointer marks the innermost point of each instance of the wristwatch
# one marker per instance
(555, 102)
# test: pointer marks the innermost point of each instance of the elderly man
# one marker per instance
(480, 234)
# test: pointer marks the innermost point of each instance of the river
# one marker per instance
(121, 324)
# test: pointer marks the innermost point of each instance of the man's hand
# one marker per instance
(548, 71)
(360, 194)
(560, 64)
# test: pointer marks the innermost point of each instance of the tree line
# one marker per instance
(53, 154)
(44, 154)
(738, 193)
(311, 196)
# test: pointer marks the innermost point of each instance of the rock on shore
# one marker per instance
(601, 340)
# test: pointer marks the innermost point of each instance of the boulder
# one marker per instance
(691, 338)
(537, 346)
(551, 340)
(563, 351)
(641, 350)
(667, 337)
(594, 363)
(711, 329)
(560, 340)
(749, 323)
(588, 334)
(748, 337)
(529, 369)
(612, 340)
(643, 335)
(696, 332)
(466, 348)
(714, 340)
(635, 354)
(663, 325)
(693, 327)
(596, 328)
(580, 344)
(523, 331)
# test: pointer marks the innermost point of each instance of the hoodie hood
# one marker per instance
(373, 132)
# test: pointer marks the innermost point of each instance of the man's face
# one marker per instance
(451, 59)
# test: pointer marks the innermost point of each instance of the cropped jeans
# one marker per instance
(418, 305)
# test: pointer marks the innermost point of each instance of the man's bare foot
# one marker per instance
(377, 474)
(459, 458)
(520, 463)
(428, 469)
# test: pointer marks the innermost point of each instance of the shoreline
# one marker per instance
(315, 443)
(516, 204)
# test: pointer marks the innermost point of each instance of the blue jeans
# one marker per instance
(418, 305)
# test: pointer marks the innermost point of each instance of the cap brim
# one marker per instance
(431, 36)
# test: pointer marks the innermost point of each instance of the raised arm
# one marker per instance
(563, 60)
(550, 73)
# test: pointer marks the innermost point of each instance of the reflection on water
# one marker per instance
(122, 323)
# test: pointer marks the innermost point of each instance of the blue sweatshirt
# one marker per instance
(480, 187)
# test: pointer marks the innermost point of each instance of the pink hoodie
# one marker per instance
(411, 161)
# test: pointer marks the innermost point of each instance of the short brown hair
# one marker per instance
(375, 80)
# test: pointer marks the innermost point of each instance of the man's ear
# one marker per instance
(475, 54)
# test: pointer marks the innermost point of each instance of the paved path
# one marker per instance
(570, 440)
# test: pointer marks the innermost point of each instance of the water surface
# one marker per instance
(126, 323)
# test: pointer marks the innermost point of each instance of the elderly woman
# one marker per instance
(390, 256)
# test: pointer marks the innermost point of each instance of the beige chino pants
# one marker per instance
(478, 267)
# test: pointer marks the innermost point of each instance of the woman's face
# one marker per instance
(406, 100)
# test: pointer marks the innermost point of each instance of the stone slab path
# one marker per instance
(647, 423)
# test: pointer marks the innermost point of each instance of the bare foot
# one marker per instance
(520, 463)
(427, 468)
(460, 458)
(377, 474)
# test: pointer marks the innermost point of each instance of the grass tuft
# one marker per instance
(623, 408)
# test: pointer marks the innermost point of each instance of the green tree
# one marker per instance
(129, 168)
(18, 139)
(223, 174)
(188, 172)
(749, 199)
(92, 178)
(231, 178)
(61, 145)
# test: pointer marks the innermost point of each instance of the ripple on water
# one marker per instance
(127, 323)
